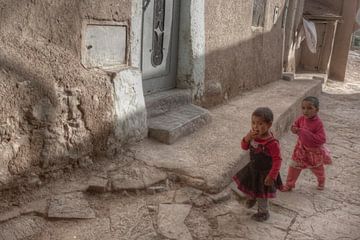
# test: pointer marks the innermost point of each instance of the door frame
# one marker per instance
(166, 80)
(191, 58)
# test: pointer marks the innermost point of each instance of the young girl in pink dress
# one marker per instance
(309, 151)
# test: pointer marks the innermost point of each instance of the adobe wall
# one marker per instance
(56, 112)
(293, 20)
(336, 6)
(53, 110)
(239, 57)
(343, 39)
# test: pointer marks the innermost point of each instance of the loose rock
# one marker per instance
(171, 221)
(98, 184)
(135, 176)
(72, 205)
(187, 195)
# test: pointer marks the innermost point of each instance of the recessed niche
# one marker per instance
(104, 45)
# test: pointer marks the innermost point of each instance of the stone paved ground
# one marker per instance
(307, 213)
(169, 210)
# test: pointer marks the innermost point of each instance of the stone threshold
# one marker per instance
(171, 115)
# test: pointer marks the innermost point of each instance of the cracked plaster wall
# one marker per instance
(54, 112)
(57, 109)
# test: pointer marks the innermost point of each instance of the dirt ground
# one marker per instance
(59, 208)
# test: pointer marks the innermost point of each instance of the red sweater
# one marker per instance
(311, 131)
(274, 151)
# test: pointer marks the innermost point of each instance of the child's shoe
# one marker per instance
(286, 188)
(250, 202)
(261, 216)
(321, 186)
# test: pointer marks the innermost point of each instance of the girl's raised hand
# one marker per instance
(294, 129)
(251, 135)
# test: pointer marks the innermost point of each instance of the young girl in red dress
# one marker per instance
(260, 177)
(309, 151)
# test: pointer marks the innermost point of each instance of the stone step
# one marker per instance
(179, 122)
(162, 102)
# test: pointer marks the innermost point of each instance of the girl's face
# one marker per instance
(308, 109)
(259, 126)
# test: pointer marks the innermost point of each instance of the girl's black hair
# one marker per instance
(265, 113)
(313, 100)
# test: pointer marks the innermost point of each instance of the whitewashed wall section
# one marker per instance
(191, 60)
(130, 108)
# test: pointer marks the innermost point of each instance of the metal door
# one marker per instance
(160, 44)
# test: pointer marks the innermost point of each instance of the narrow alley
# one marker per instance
(124, 119)
(62, 209)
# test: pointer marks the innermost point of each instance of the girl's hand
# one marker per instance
(250, 136)
(294, 130)
(269, 181)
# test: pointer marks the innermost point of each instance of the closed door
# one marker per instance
(312, 61)
(160, 44)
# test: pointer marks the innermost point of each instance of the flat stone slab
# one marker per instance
(186, 195)
(132, 221)
(98, 184)
(38, 207)
(221, 196)
(208, 158)
(199, 226)
(234, 222)
(290, 200)
(243, 227)
(72, 205)
(335, 224)
(179, 122)
(171, 219)
(135, 176)
(22, 228)
(6, 216)
(91, 229)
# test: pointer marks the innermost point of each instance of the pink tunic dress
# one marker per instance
(310, 151)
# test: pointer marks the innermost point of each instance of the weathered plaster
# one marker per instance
(130, 110)
(343, 39)
(65, 111)
(60, 108)
(129, 106)
(11, 142)
(291, 27)
(238, 56)
(69, 137)
(191, 59)
(136, 33)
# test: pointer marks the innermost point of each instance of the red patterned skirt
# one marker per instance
(306, 157)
